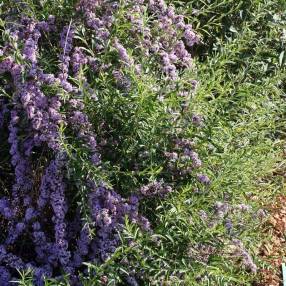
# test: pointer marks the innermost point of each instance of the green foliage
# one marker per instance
(241, 95)
(241, 71)
(26, 279)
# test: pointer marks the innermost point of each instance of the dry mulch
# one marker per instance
(273, 249)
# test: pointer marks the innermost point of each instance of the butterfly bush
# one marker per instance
(47, 110)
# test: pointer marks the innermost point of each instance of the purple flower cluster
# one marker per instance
(79, 59)
(109, 210)
(201, 252)
(67, 35)
(164, 36)
(41, 211)
(156, 188)
(99, 16)
(173, 38)
(4, 276)
(221, 209)
(184, 160)
(242, 254)
(122, 81)
(123, 55)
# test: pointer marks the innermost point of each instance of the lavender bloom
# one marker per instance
(131, 281)
(190, 36)
(76, 104)
(201, 252)
(243, 207)
(196, 160)
(46, 185)
(121, 81)
(40, 273)
(46, 78)
(172, 156)
(171, 71)
(240, 252)
(6, 65)
(33, 101)
(197, 120)
(30, 50)
(158, 5)
(36, 208)
(187, 160)
(14, 232)
(168, 67)
(261, 214)
(221, 209)
(67, 35)
(79, 118)
(31, 43)
(182, 54)
(30, 214)
(95, 159)
(93, 64)
(5, 208)
(43, 118)
(3, 252)
(108, 211)
(204, 179)
(66, 44)
(80, 123)
(46, 252)
(228, 225)
(4, 276)
(171, 26)
(47, 26)
(11, 260)
(100, 24)
(184, 143)
(88, 6)
(23, 181)
(123, 55)
(59, 207)
(78, 60)
(82, 247)
(155, 188)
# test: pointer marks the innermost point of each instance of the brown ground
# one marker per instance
(274, 248)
